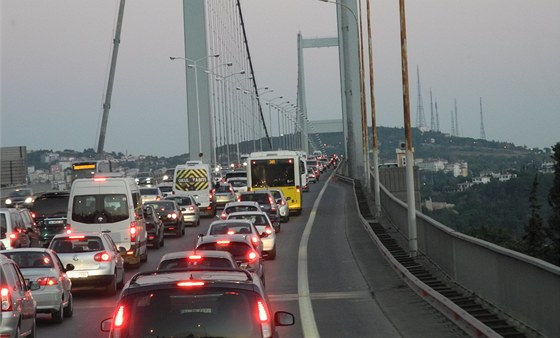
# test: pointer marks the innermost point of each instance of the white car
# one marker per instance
(264, 226)
(44, 268)
(239, 184)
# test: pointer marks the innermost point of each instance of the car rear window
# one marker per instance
(255, 219)
(236, 249)
(149, 192)
(186, 312)
(77, 244)
(260, 198)
(181, 200)
(203, 262)
(28, 259)
(230, 228)
(162, 206)
(102, 208)
(51, 206)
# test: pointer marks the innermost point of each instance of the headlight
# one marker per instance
(28, 200)
(8, 201)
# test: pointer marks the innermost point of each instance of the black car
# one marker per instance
(171, 215)
(154, 226)
(266, 202)
(217, 302)
(49, 213)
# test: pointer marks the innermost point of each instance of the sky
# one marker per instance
(55, 56)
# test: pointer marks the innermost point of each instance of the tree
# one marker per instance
(535, 234)
(554, 202)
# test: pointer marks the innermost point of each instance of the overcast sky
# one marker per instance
(55, 58)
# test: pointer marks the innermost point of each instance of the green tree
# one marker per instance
(554, 202)
(535, 234)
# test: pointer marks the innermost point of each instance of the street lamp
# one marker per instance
(195, 66)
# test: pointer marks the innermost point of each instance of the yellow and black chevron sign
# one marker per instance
(191, 180)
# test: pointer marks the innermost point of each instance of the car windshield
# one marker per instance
(73, 244)
(200, 312)
(29, 259)
(202, 262)
(102, 208)
(20, 193)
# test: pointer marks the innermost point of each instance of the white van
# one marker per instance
(112, 205)
(195, 178)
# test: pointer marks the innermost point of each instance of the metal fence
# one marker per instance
(526, 288)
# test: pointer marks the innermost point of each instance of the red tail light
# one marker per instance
(283, 202)
(102, 257)
(264, 319)
(119, 318)
(297, 188)
(223, 215)
(6, 299)
(47, 281)
(268, 230)
(68, 229)
(254, 239)
(13, 235)
(133, 231)
(190, 283)
(252, 256)
(33, 215)
(263, 314)
(195, 257)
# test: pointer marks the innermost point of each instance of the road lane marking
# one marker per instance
(307, 317)
(288, 297)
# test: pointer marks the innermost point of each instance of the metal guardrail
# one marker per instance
(526, 288)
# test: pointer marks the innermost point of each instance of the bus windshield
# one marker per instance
(272, 173)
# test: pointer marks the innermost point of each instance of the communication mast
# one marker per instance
(432, 120)
(437, 119)
(420, 119)
(456, 120)
(453, 124)
(482, 132)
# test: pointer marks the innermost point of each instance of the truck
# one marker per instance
(194, 178)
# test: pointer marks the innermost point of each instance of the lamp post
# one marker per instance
(278, 108)
(195, 66)
(223, 78)
(269, 102)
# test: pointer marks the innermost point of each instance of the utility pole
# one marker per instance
(108, 94)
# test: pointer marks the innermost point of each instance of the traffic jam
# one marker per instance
(206, 233)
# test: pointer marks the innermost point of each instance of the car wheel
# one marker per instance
(33, 333)
(144, 258)
(183, 228)
(198, 221)
(178, 231)
(120, 284)
(112, 286)
(277, 227)
(58, 316)
(162, 240)
(69, 309)
(271, 254)
(156, 243)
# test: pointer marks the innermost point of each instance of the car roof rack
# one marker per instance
(161, 272)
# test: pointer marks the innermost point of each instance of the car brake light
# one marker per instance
(190, 283)
(133, 231)
(268, 230)
(33, 215)
(297, 188)
(13, 236)
(231, 232)
(263, 318)
(100, 179)
(195, 257)
(254, 239)
(252, 256)
(6, 299)
(223, 242)
(119, 317)
(223, 215)
(102, 257)
(263, 315)
(68, 228)
(77, 237)
(47, 281)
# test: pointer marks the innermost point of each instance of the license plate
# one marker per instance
(77, 274)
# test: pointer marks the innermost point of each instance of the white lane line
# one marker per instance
(304, 300)
(288, 297)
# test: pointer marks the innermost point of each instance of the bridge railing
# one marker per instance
(526, 288)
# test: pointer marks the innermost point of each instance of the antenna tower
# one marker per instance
(482, 132)
(432, 121)
(453, 124)
(437, 119)
(456, 120)
(420, 119)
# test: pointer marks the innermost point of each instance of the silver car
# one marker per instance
(43, 267)
(96, 259)
(17, 305)
(189, 208)
(264, 226)
(283, 207)
(197, 259)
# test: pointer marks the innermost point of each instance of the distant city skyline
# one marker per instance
(55, 55)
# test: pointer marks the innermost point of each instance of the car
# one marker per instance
(171, 216)
(49, 212)
(20, 197)
(189, 208)
(13, 231)
(44, 267)
(195, 303)
(283, 207)
(154, 227)
(168, 175)
(30, 226)
(264, 227)
(239, 206)
(239, 184)
(241, 247)
(17, 307)
(96, 259)
(222, 194)
(166, 188)
(311, 176)
(150, 193)
(144, 178)
(266, 202)
(235, 227)
(201, 259)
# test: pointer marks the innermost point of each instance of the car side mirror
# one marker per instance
(183, 209)
(288, 198)
(32, 285)
(70, 267)
(122, 250)
(106, 325)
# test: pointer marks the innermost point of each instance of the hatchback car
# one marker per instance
(20, 197)
(43, 267)
(171, 216)
(266, 202)
(236, 227)
(97, 261)
(144, 178)
(154, 227)
(311, 176)
(222, 194)
(49, 212)
(149, 194)
(239, 206)
(13, 231)
(17, 306)
(283, 207)
(201, 259)
(195, 303)
(240, 247)
(264, 227)
(189, 208)
(239, 184)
